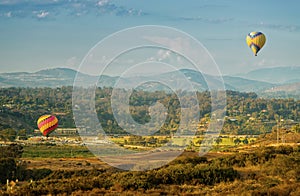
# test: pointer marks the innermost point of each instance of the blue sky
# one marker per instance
(39, 34)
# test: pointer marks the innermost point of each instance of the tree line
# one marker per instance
(246, 113)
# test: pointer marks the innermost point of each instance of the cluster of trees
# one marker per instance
(246, 113)
(252, 115)
(10, 134)
(193, 144)
(8, 161)
(13, 168)
(137, 140)
(21, 107)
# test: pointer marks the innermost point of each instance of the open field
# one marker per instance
(55, 151)
(64, 163)
(77, 157)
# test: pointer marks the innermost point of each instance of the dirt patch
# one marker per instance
(64, 163)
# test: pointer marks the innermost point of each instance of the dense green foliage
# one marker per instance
(7, 169)
(11, 167)
(11, 151)
(247, 114)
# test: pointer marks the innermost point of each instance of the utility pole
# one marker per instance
(278, 130)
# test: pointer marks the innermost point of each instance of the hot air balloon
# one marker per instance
(47, 124)
(256, 40)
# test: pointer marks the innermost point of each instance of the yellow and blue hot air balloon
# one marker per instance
(47, 124)
(256, 40)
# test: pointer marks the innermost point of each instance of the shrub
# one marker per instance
(8, 169)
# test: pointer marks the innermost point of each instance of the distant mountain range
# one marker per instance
(267, 80)
(275, 75)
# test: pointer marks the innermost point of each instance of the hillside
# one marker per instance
(295, 87)
(246, 85)
(14, 121)
(44, 78)
(267, 82)
(65, 77)
(277, 75)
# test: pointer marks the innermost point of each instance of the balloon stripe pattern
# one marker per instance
(256, 40)
(47, 124)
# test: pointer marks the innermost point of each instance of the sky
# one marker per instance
(41, 34)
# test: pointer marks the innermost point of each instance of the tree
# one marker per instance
(7, 169)
(22, 134)
(8, 134)
(245, 141)
(237, 141)
(11, 151)
(152, 140)
(296, 128)
(218, 140)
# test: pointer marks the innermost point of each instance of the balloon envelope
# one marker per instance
(47, 124)
(256, 40)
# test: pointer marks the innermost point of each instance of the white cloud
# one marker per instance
(21, 8)
(42, 14)
(8, 2)
(264, 63)
(163, 55)
(207, 20)
(283, 27)
(31, 2)
(8, 14)
(72, 62)
(176, 44)
(102, 2)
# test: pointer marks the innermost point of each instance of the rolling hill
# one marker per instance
(262, 81)
(276, 75)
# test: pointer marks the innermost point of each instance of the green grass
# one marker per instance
(227, 141)
(48, 151)
(119, 140)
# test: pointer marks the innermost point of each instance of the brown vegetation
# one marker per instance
(263, 171)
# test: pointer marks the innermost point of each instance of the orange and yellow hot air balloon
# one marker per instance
(47, 124)
(256, 40)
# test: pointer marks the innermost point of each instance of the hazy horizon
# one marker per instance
(141, 73)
